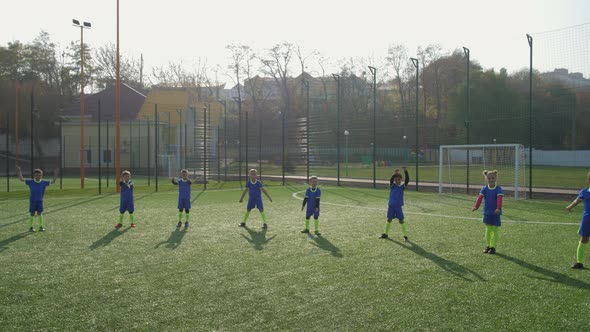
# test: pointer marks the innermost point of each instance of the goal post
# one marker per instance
(462, 165)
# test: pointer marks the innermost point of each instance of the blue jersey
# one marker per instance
(311, 196)
(585, 196)
(126, 191)
(184, 189)
(490, 199)
(254, 189)
(37, 189)
(396, 195)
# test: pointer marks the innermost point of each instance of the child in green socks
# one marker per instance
(184, 197)
(254, 188)
(491, 194)
(584, 230)
(37, 190)
(126, 203)
(396, 201)
(312, 198)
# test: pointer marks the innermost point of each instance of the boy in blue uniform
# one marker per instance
(126, 202)
(184, 197)
(584, 230)
(254, 188)
(491, 195)
(396, 201)
(37, 190)
(312, 198)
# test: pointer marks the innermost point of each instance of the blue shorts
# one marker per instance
(126, 206)
(311, 212)
(184, 203)
(395, 212)
(36, 206)
(585, 226)
(255, 202)
(492, 219)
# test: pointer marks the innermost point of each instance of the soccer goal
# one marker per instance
(461, 167)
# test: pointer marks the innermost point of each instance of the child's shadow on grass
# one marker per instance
(257, 239)
(174, 240)
(324, 244)
(4, 243)
(454, 268)
(107, 239)
(548, 275)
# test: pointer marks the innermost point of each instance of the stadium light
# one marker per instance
(85, 25)
(416, 63)
(374, 73)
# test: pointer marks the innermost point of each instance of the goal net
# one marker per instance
(461, 167)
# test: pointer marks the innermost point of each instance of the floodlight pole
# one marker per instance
(205, 148)
(118, 112)
(306, 84)
(467, 119)
(31, 130)
(99, 152)
(530, 40)
(373, 71)
(85, 25)
(7, 149)
(337, 79)
(415, 62)
(223, 102)
(239, 101)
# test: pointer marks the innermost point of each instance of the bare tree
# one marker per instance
(398, 58)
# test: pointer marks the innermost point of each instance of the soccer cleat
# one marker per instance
(119, 225)
(492, 251)
(383, 236)
(31, 229)
(242, 224)
(264, 226)
(41, 229)
(134, 225)
(578, 266)
(487, 250)
(406, 239)
(317, 233)
(305, 231)
(186, 224)
(179, 224)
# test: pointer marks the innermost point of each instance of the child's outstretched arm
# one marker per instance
(19, 174)
(174, 181)
(243, 194)
(266, 193)
(55, 174)
(573, 204)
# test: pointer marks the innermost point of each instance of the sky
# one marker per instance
(190, 31)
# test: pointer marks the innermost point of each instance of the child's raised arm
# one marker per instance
(407, 176)
(55, 174)
(19, 174)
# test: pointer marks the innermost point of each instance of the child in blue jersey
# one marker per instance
(37, 190)
(396, 201)
(254, 189)
(126, 203)
(184, 197)
(491, 195)
(312, 198)
(584, 230)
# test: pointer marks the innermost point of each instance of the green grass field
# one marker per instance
(83, 275)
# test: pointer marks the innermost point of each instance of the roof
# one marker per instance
(131, 101)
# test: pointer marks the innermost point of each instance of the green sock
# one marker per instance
(495, 231)
(40, 220)
(404, 232)
(246, 216)
(186, 215)
(179, 216)
(387, 227)
(31, 221)
(306, 223)
(121, 218)
(316, 224)
(581, 252)
(488, 235)
(131, 217)
(263, 214)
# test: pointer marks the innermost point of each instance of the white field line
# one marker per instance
(442, 215)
